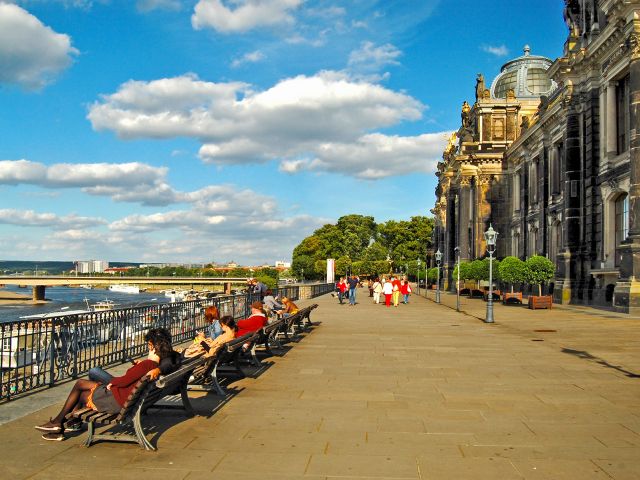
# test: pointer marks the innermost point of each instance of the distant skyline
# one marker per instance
(210, 131)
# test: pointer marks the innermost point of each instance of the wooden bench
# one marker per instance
(206, 376)
(146, 394)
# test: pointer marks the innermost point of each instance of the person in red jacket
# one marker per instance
(405, 290)
(110, 398)
(256, 321)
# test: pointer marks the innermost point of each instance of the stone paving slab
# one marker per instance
(414, 392)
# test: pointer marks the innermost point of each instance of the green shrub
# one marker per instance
(539, 270)
(512, 270)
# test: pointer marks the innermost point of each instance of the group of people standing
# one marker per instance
(391, 288)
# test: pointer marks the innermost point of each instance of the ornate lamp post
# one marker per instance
(418, 273)
(438, 260)
(490, 236)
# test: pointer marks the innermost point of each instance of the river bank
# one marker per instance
(13, 298)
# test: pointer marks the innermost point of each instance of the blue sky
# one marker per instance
(218, 130)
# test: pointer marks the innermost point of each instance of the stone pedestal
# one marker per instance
(626, 296)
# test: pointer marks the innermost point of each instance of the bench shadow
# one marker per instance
(587, 356)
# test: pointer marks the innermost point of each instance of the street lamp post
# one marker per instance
(490, 236)
(457, 249)
(418, 274)
(302, 272)
(438, 259)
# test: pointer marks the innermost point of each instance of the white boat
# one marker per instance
(124, 288)
(87, 287)
(103, 306)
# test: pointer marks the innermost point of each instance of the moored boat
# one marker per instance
(124, 288)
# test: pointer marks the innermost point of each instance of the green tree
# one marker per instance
(512, 270)
(432, 275)
(343, 264)
(539, 270)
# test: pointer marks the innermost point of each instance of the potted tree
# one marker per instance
(539, 270)
(464, 275)
(477, 273)
(512, 270)
(432, 276)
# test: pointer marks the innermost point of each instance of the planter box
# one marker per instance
(496, 295)
(545, 301)
(514, 298)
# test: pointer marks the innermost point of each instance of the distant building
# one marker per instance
(91, 266)
(117, 270)
(282, 264)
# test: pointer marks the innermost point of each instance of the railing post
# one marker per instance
(52, 355)
(124, 355)
(74, 347)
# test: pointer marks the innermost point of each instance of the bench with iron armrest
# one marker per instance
(291, 325)
(144, 396)
(206, 376)
(268, 337)
(306, 315)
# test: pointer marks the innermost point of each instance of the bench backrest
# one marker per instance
(150, 391)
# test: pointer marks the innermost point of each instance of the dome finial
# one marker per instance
(527, 50)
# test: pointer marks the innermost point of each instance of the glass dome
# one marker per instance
(525, 75)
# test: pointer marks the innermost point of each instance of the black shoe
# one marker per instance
(49, 427)
(53, 437)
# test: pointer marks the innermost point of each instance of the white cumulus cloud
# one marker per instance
(498, 51)
(251, 57)
(242, 15)
(31, 54)
(30, 218)
(124, 182)
(239, 125)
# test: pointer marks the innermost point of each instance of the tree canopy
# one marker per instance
(357, 242)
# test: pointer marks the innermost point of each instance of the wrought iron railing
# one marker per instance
(40, 353)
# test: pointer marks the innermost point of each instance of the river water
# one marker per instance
(73, 298)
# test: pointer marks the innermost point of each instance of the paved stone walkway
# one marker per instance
(418, 391)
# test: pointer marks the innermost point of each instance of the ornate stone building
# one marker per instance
(549, 155)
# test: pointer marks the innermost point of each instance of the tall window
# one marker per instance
(533, 183)
(554, 169)
(516, 192)
(621, 223)
(622, 114)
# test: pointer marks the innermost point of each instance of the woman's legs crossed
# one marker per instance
(77, 398)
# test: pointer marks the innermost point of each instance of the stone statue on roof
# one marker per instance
(479, 87)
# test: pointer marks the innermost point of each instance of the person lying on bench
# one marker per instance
(167, 365)
(111, 397)
(209, 346)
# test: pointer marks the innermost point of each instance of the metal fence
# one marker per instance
(40, 353)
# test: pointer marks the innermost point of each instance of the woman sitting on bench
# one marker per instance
(111, 397)
(290, 308)
(209, 346)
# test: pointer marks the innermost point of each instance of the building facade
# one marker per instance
(549, 155)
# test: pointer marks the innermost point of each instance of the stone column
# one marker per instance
(627, 291)
(483, 217)
(611, 132)
(465, 218)
(566, 274)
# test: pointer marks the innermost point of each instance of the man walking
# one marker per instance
(353, 284)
